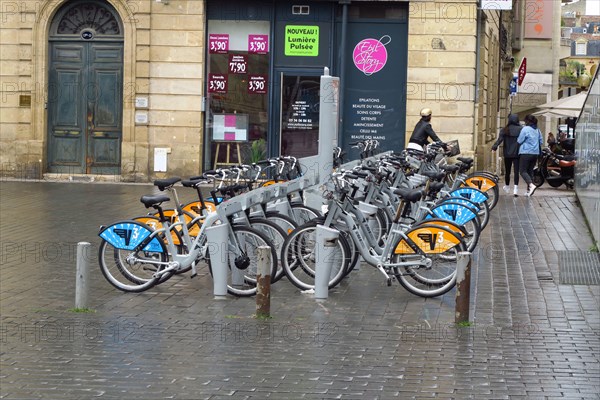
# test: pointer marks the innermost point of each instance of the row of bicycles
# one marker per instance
(407, 214)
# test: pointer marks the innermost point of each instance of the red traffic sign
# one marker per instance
(522, 71)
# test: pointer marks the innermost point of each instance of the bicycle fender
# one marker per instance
(482, 183)
(465, 202)
(128, 235)
(452, 211)
(428, 239)
(444, 223)
(470, 193)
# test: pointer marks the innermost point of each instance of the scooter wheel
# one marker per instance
(538, 179)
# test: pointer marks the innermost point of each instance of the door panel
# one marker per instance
(85, 108)
(297, 112)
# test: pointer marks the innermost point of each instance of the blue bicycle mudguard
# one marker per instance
(452, 211)
(467, 203)
(128, 235)
(470, 193)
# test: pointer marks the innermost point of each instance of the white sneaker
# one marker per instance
(516, 191)
(506, 188)
(530, 189)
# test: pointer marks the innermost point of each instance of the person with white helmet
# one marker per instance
(422, 132)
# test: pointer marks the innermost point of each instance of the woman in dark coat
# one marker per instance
(508, 136)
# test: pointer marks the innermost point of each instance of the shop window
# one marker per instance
(237, 82)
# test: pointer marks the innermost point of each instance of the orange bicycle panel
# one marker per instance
(194, 207)
(446, 224)
(193, 230)
(154, 223)
(268, 183)
(403, 248)
(480, 182)
(429, 239)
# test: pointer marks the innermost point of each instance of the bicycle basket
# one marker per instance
(453, 148)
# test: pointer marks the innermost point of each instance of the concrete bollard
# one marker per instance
(83, 272)
(217, 237)
(263, 282)
(326, 241)
(463, 287)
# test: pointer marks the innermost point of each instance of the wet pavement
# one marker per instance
(531, 336)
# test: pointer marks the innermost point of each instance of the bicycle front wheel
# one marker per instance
(130, 271)
(241, 255)
(299, 258)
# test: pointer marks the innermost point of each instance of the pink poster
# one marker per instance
(538, 19)
(370, 55)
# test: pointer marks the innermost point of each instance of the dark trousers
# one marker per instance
(508, 164)
(526, 165)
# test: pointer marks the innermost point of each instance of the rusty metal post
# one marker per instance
(263, 282)
(463, 287)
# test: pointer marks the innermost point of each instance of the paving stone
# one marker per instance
(530, 339)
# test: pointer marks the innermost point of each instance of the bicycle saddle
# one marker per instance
(465, 160)
(152, 200)
(450, 167)
(163, 184)
(435, 175)
(436, 186)
(411, 195)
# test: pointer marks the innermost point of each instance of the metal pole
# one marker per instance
(326, 240)
(263, 282)
(217, 236)
(83, 272)
(463, 286)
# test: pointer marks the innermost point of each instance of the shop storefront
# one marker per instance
(264, 60)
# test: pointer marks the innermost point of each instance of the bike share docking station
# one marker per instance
(319, 168)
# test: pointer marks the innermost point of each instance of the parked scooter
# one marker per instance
(556, 169)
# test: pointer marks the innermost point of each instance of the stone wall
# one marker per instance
(163, 62)
(443, 52)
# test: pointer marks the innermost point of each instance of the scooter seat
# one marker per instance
(565, 164)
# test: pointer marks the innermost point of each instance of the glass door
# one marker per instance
(298, 103)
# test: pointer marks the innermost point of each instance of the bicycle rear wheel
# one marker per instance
(304, 214)
(433, 280)
(276, 236)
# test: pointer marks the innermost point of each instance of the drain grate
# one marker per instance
(579, 268)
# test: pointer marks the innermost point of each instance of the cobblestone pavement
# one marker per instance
(531, 337)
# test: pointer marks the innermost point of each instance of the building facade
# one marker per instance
(139, 89)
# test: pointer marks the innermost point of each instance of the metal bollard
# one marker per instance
(83, 271)
(217, 237)
(263, 282)
(463, 286)
(326, 239)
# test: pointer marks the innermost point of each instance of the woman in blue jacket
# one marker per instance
(530, 141)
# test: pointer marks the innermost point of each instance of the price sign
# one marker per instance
(238, 64)
(217, 83)
(258, 44)
(218, 44)
(257, 84)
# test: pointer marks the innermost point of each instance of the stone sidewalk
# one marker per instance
(531, 338)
